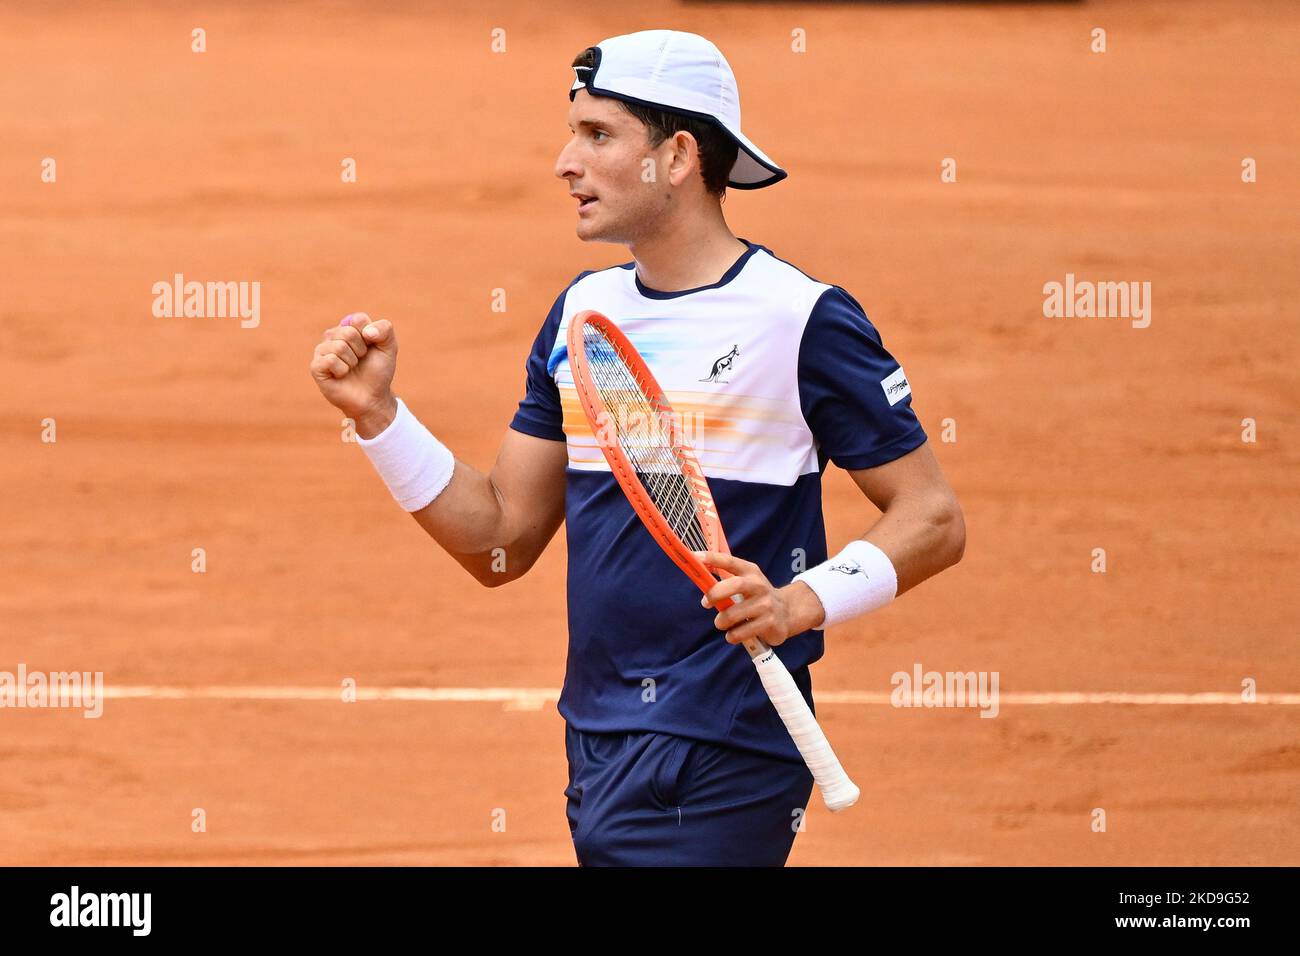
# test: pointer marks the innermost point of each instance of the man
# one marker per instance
(676, 756)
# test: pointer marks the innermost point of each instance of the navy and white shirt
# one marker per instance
(771, 374)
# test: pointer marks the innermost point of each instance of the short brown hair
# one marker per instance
(718, 150)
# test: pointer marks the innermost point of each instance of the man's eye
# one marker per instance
(600, 132)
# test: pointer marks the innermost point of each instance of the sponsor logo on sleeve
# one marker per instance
(896, 387)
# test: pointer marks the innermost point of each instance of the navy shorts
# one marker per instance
(649, 799)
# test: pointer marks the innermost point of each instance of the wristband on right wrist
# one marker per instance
(415, 466)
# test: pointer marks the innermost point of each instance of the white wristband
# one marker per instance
(859, 579)
(415, 466)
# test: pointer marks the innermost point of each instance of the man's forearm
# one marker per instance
(376, 418)
(460, 508)
(469, 520)
(920, 541)
(921, 536)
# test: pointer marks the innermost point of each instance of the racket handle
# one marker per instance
(837, 789)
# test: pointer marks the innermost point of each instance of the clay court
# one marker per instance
(1121, 691)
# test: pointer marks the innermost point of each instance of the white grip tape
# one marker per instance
(837, 789)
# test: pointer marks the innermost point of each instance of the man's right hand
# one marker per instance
(478, 519)
(353, 367)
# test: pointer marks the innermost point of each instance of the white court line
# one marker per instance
(435, 694)
(1074, 697)
(533, 698)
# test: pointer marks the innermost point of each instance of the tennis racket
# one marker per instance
(637, 432)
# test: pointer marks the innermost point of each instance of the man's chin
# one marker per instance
(595, 235)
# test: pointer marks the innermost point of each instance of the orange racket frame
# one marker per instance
(618, 461)
(837, 789)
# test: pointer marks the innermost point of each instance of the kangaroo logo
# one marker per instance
(847, 567)
(722, 365)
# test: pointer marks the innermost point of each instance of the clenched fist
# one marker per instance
(353, 366)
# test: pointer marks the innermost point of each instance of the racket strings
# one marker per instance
(651, 454)
(649, 450)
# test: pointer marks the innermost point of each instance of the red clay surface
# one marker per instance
(1072, 434)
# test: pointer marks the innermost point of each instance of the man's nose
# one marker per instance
(566, 163)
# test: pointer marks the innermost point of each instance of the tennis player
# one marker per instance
(675, 753)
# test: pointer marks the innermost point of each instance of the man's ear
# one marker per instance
(685, 157)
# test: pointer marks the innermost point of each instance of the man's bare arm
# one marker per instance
(921, 529)
(495, 525)
(517, 508)
(921, 526)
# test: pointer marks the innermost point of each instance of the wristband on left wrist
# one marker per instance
(859, 579)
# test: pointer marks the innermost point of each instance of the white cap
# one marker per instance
(681, 73)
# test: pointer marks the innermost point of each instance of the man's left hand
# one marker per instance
(770, 613)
